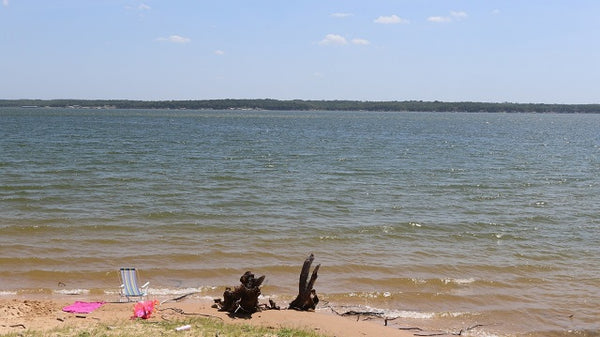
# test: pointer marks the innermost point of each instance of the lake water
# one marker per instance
(440, 219)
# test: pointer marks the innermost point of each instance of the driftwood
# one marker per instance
(179, 298)
(307, 296)
(271, 306)
(421, 333)
(243, 299)
(182, 312)
(459, 333)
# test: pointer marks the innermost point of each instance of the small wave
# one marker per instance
(374, 294)
(458, 281)
(72, 291)
(7, 293)
(403, 314)
(455, 314)
(444, 281)
(406, 314)
(34, 291)
(182, 291)
(409, 314)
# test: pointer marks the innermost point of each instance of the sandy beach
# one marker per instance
(19, 315)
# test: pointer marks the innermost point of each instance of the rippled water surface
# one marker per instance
(451, 218)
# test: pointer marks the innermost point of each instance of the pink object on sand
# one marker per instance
(143, 309)
(82, 307)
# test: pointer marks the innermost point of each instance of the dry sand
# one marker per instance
(19, 314)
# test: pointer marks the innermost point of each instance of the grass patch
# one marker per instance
(200, 327)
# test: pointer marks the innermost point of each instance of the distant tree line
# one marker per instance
(326, 105)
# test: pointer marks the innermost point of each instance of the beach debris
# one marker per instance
(144, 309)
(243, 299)
(180, 311)
(459, 333)
(365, 315)
(17, 326)
(414, 328)
(272, 305)
(307, 296)
(179, 298)
(183, 328)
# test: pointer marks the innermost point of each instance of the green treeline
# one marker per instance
(335, 105)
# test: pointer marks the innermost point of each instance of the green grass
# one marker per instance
(200, 327)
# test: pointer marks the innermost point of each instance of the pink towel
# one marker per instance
(82, 307)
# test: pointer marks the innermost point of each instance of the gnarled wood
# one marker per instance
(243, 299)
(307, 296)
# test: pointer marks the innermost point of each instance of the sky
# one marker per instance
(524, 51)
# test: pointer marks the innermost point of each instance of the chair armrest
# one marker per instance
(145, 285)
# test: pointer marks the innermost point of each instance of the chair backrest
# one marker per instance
(130, 284)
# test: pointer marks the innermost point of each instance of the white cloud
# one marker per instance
(361, 42)
(175, 39)
(142, 7)
(393, 19)
(458, 15)
(341, 15)
(454, 16)
(5, 3)
(333, 40)
(439, 19)
(496, 11)
(219, 52)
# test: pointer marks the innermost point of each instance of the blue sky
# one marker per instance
(541, 51)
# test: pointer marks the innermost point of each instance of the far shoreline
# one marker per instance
(305, 105)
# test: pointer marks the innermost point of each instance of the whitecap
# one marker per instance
(178, 291)
(455, 314)
(375, 294)
(458, 281)
(72, 291)
(7, 293)
(406, 314)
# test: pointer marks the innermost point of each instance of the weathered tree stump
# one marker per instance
(307, 296)
(243, 299)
